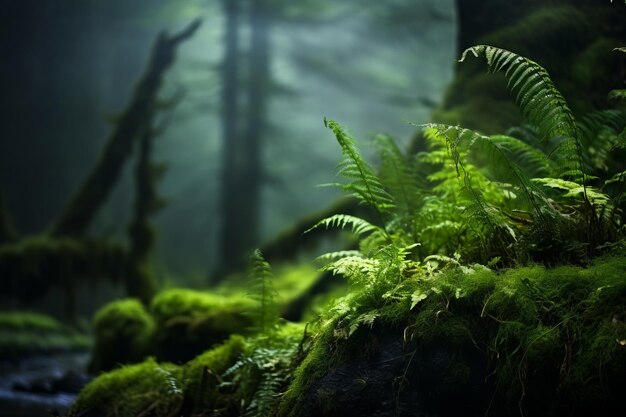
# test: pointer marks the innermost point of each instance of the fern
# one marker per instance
(617, 95)
(267, 316)
(341, 221)
(261, 377)
(500, 148)
(401, 178)
(364, 184)
(541, 103)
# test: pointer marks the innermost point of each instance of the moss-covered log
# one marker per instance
(140, 281)
(7, 229)
(31, 267)
(82, 208)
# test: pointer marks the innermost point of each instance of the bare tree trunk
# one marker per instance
(82, 208)
(242, 171)
(232, 147)
(258, 97)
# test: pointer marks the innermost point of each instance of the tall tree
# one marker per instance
(230, 243)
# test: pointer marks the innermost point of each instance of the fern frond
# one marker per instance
(575, 190)
(500, 147)
(594, 123)
(621, 49)
(333, 256)
(398, 174)
(617, 95)
(527, 156)
(364, 184)
(541, 103)
(263, 291)
(341, 221)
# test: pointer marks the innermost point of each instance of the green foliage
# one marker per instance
(364, 184)
(24, 333)
(123, 333)
(265, 370)
(544, 192)
(263, 292)
(541, 103)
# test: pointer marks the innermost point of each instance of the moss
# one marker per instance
(23, 334)
(160, 389)
(546, 333)
(204, 376)
(218, 359)
(189, 322)
(124, 333)
(32, 266)
(147, 388)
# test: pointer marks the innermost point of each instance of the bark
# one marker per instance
(140, 282)
(258, 97)
(82, 208)
(231, 140)
(242, 172)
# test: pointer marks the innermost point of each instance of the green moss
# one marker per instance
(147, 388)
(23, 334)
(32, 266)
(204, 376)
(124, 333)
(189, 322)
(218, 359)
(544, 331)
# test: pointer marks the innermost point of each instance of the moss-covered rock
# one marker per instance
(24, 334)
(204, 376)
(545, 342)
(147, 387)
(161, 389)
(123, 332)
(189, 322)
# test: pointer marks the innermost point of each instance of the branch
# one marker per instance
(82, 208)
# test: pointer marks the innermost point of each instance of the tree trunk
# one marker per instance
(258, 97)
(229, 242)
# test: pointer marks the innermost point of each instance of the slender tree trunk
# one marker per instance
(258, 97)
(229, 239)
(242, 171)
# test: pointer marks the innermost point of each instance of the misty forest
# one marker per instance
(274, 208)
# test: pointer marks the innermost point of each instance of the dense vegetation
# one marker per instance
(488, 279)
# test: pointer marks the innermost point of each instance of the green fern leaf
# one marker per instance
(267, 316)
(364, 184)
(541, 103)
(341, 221)
(617, 95)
